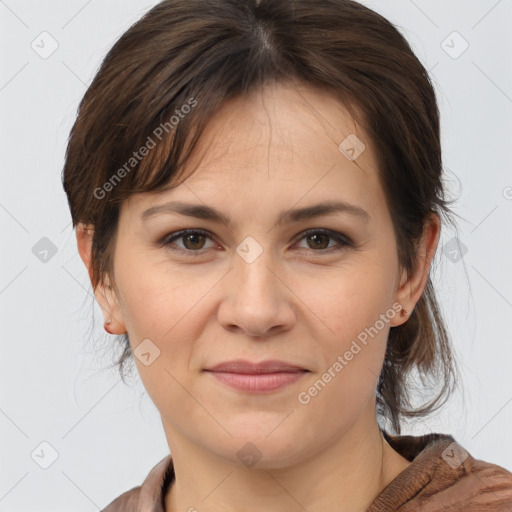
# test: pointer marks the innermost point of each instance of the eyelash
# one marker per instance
(343, 241)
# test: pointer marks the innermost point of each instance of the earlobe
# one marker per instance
(410, 291)
(105, 296)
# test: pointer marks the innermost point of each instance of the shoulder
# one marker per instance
(488, 485)
(149, 495)
(459, 480)
(442, 475)
(127, 501)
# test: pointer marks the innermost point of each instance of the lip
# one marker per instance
(265, 376)
(248, 367)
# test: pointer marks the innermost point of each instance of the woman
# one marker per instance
(257, 195)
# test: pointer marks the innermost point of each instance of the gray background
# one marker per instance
(56, 387)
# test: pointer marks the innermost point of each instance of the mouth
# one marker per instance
(258, 383)
(253, 368)
(261, 377)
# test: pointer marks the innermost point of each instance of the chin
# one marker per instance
(263, 450)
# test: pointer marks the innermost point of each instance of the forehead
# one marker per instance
(290, 140)
(299, 118)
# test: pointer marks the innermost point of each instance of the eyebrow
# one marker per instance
(204, 212)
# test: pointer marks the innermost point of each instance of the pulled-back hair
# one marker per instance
(171, 71)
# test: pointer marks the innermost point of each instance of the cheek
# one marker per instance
(350, 299)
(157, 296)
(341, 390)
(355, 312)
(163, 312)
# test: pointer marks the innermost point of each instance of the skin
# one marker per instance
(298, 301)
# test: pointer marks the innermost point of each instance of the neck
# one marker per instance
(347, 475)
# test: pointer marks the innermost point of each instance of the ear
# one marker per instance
(104, 293)
(410, 290)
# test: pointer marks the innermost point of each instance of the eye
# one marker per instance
(317, 240)
(320, 237)
(193, 240)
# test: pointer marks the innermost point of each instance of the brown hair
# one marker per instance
(199, 54)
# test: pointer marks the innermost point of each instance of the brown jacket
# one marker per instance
(442, 477)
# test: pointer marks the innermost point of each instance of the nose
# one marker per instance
(256, 299)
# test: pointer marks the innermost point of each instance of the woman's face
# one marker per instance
(257, 287)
